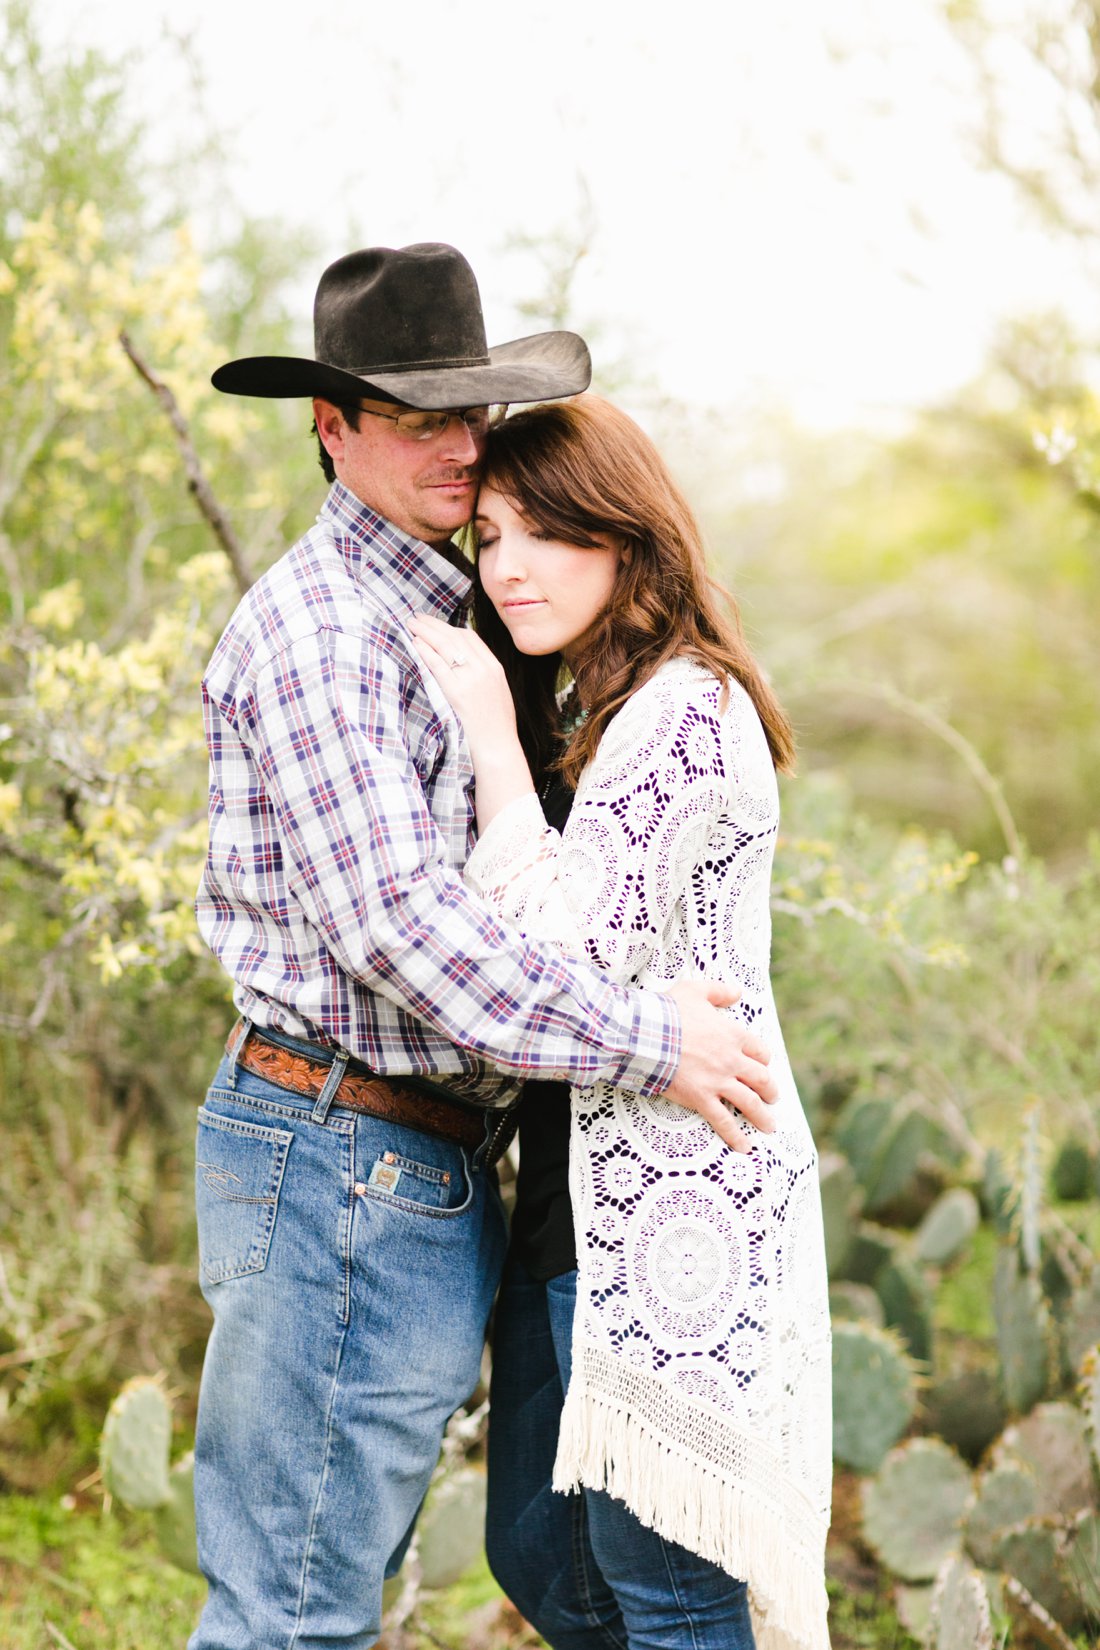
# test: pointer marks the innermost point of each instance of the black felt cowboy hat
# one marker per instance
(406, 325)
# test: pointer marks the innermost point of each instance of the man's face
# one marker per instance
(426, 488)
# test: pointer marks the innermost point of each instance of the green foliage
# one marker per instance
(100, 1581)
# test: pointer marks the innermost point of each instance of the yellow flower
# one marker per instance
(11, 801)
(59, 608)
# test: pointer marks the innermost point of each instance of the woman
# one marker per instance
(673, 1367)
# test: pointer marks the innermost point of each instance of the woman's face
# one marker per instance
(548, 594)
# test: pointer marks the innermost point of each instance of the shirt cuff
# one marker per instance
(656, 1045)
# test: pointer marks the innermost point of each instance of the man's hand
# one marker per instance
(722, 1065)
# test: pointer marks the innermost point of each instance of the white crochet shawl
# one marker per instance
(700, 1392)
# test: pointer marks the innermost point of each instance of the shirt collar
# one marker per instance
(414, 576)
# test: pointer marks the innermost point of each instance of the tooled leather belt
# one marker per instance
(359, 1090)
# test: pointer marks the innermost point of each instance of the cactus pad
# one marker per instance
(1051, 1443)
(874, 1395)
(174, 1520)
(872, 1247)
(966, 1410)
(1024, 1334)
(961, 1618)
(1081, 1325)
(1072, 1174)
(136, 1439)
(913, 1509)
(855, 1303)
(1003, 1496)
(1030, 1205)
(840, 1205)
(947, 1228)
(913, 1603)
(907, 1302)
(452, 1527)
(1089, 1392)
(1083, 1561)
(1034, 1554)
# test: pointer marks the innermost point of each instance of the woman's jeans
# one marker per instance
(350, 1264)
(581, 1568)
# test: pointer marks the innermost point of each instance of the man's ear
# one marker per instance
(330, 427)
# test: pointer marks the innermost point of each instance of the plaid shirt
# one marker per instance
(340, 818)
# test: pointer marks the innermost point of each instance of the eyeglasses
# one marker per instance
(422, 426)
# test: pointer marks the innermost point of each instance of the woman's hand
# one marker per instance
(472, 678)
(474, 684)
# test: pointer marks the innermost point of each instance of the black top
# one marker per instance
(542, 1221)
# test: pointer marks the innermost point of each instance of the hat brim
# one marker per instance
(543, 367)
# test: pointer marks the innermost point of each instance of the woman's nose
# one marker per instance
(509, 566)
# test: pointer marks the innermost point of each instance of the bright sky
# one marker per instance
(781, 199)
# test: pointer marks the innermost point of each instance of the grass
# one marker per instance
(73, 1578)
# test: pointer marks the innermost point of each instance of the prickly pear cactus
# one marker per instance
(855, 1303)
(1052, 1445)
(961, 1618)
(1034, 1553)
(1071, 1176)
(907, 1302)
(872, 1247)
(966, 1410)
(1003, 1496)
(174, 1519)
(1031, 1192)
(913, 1510)
(947, 1228)
(840, 1206)
(1024, 1333)
(910, 1163)
(1089, 1393)
(452, 1527)
(874, 1394)
(135, 1444)
(1083, 1561)
(133, 1453)
(999, 1196)
(1081, 1322)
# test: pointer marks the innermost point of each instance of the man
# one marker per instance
(350, 1232)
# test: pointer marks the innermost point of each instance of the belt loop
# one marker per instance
(244, 1026)
(332, 1083)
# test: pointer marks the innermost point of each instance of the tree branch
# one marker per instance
(196, 480)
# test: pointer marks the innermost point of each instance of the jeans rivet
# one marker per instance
(359, 1188)
(388, 1157)
(446, 1177)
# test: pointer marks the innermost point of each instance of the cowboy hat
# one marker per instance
(405, 325)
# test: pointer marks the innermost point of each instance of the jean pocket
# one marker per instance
(238, 1175)
(424, 1188)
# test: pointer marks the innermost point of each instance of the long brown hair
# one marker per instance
(581, 467)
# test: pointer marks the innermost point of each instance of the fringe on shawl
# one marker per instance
(602, 1446)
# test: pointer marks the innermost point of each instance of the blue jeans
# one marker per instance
(350, 1264)
(581, 1568)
